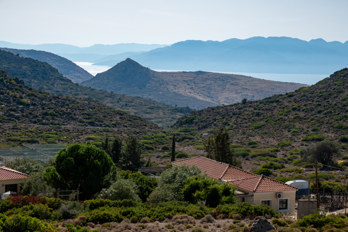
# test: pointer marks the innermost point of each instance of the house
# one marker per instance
(11, 180)
(256, 189)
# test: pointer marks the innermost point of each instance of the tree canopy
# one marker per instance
(218, 148)
(323, 152)
(83, 167)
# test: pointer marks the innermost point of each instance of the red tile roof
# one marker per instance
(212, 168)
(237, 177)
(10, 174)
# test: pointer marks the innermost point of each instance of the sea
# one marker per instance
(308, 79)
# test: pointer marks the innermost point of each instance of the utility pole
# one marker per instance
(317, 184)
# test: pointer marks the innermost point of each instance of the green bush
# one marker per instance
(284, 144)
(264, 152)
(98, 203)
(272, 165)
(244, 209)
(241, 152)
(144, 184)
(103, 215)
(315, 137)
(293, 170)
(329, 187)
(277, 221)
(162, 194)
(283, 179)
(257, 125)
(120, 190)
(201, 189)
(68, 210)
(319, 221)
(322, 175)
(262, 171)
(25, 223)
(156, 212)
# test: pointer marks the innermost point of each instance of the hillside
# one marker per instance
(69, 69)
(42, 76)
(292, 120)
(27, 115)
(252, 55)
(193, 89)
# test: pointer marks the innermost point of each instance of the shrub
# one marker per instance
(283, 179)
(19, 201)
(173, 180)
(68, 210)
(284, 144)
(98, 203)
(40, 211)
(262, 171)
(120, 190)
(162, 194)
(315, 137)
(241, 152)
(244, 209)
(207, 190)
(264, 152)
(343, 139)
(103, 215)
(319, 221)
(293, 170)
(145, 185)
(277, 221)
(322, 175)
(272, 165)
(257, 125)
(25, 223)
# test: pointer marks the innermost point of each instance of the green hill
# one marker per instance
(292, 120)
(31, 116)
(64, 66)
(42, 76)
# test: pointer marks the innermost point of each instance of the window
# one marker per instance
(11, 187)
(283, 204)
(266, 202)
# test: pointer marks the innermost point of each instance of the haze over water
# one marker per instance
(308, 79)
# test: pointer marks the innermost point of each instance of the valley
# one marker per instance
(135, 118)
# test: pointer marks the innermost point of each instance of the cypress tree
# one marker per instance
(173, 148)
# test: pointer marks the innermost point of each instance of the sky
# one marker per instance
(88, 22)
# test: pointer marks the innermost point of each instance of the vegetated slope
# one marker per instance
(29, 115)
(253, 55)
(309, 114)
(42, 76)
(193, 89)
(64, 66)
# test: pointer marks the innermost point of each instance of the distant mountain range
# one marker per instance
(254, 55)
(30, 116)
(281, 55)
(87, 54)
(42, 76)
(64, 66)
(293, 120)
(196, 90)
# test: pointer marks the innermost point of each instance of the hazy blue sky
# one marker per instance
(87, 22)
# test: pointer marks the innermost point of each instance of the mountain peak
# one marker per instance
(127, 73)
